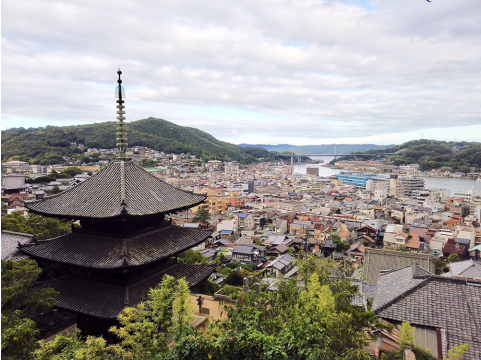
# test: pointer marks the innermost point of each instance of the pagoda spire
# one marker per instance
(121, 134)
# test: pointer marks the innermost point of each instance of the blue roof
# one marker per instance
(243, 215)
(227, 231)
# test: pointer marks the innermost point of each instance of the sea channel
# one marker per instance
(452, 184)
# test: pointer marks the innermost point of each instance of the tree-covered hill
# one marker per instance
(49, 144)
(429, 154)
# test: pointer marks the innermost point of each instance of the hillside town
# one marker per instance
(401, 242)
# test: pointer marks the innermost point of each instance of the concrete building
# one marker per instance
(356, 179)
(412, 183)
(231, 170)
(312, 171)
(466, 195)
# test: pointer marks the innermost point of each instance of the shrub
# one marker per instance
(234, 278)
(453, 258)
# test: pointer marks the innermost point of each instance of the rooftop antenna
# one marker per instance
(121, 134)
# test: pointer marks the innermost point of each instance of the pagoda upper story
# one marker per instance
(121, 189)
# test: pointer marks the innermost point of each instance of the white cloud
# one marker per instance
(278, 71)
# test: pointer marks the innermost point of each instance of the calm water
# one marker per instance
(452, 184)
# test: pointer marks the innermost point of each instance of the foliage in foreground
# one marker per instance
(309, 319)
(406, 334)
(19, 333)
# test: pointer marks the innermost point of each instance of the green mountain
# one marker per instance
(429, 154)
(49, 144)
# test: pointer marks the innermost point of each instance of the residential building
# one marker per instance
(444, 311)
(412, 183)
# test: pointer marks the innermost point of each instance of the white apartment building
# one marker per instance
(392, 183)
(380, 192)
(231, 170)
(466, 195)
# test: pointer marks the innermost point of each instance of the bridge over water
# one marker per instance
(344, 154)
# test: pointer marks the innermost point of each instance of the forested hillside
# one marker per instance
(429, 154)
(49, 144)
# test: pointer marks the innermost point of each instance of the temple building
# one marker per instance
(125, 243)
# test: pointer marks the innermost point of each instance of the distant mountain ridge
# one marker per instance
(321, 149)
(47, 145)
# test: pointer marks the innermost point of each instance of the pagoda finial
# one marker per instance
(121, 135)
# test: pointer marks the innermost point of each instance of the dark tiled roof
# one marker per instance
(450, 304)
(12, 182)
(104, 252)
(121, 188)
(106, 301)
(376, 260)
(10, 241)
(398, 281)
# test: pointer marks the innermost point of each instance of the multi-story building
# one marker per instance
(412, 183)
(395, 186)
(231, 170)
(466, 195)
(312, 171)
(350, 178)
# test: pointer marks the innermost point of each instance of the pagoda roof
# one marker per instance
(103, 252)
(105, 301)
(122, 188)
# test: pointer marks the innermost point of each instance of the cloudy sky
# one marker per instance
(267, 71)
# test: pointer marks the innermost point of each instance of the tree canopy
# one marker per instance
(202, 214)
(19, 301)
(41, 226)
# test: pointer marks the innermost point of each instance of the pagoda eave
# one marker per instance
(117, 217)
(109, 253)
(105, 301)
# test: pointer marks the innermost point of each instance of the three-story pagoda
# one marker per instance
(123, 246)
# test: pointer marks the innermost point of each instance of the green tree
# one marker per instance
(219, 258)
(55, 190)
(226, 271)
(191, 257)
(440, 266)
(144, 329)
(406, 334)
(402, 248)
(202, 214)
(234, 278)
(72, 171)
(73, 347)
(457, 352)
(341, 245)
(40, 226)
(146, 162)
(19, 333)
(453, 258)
